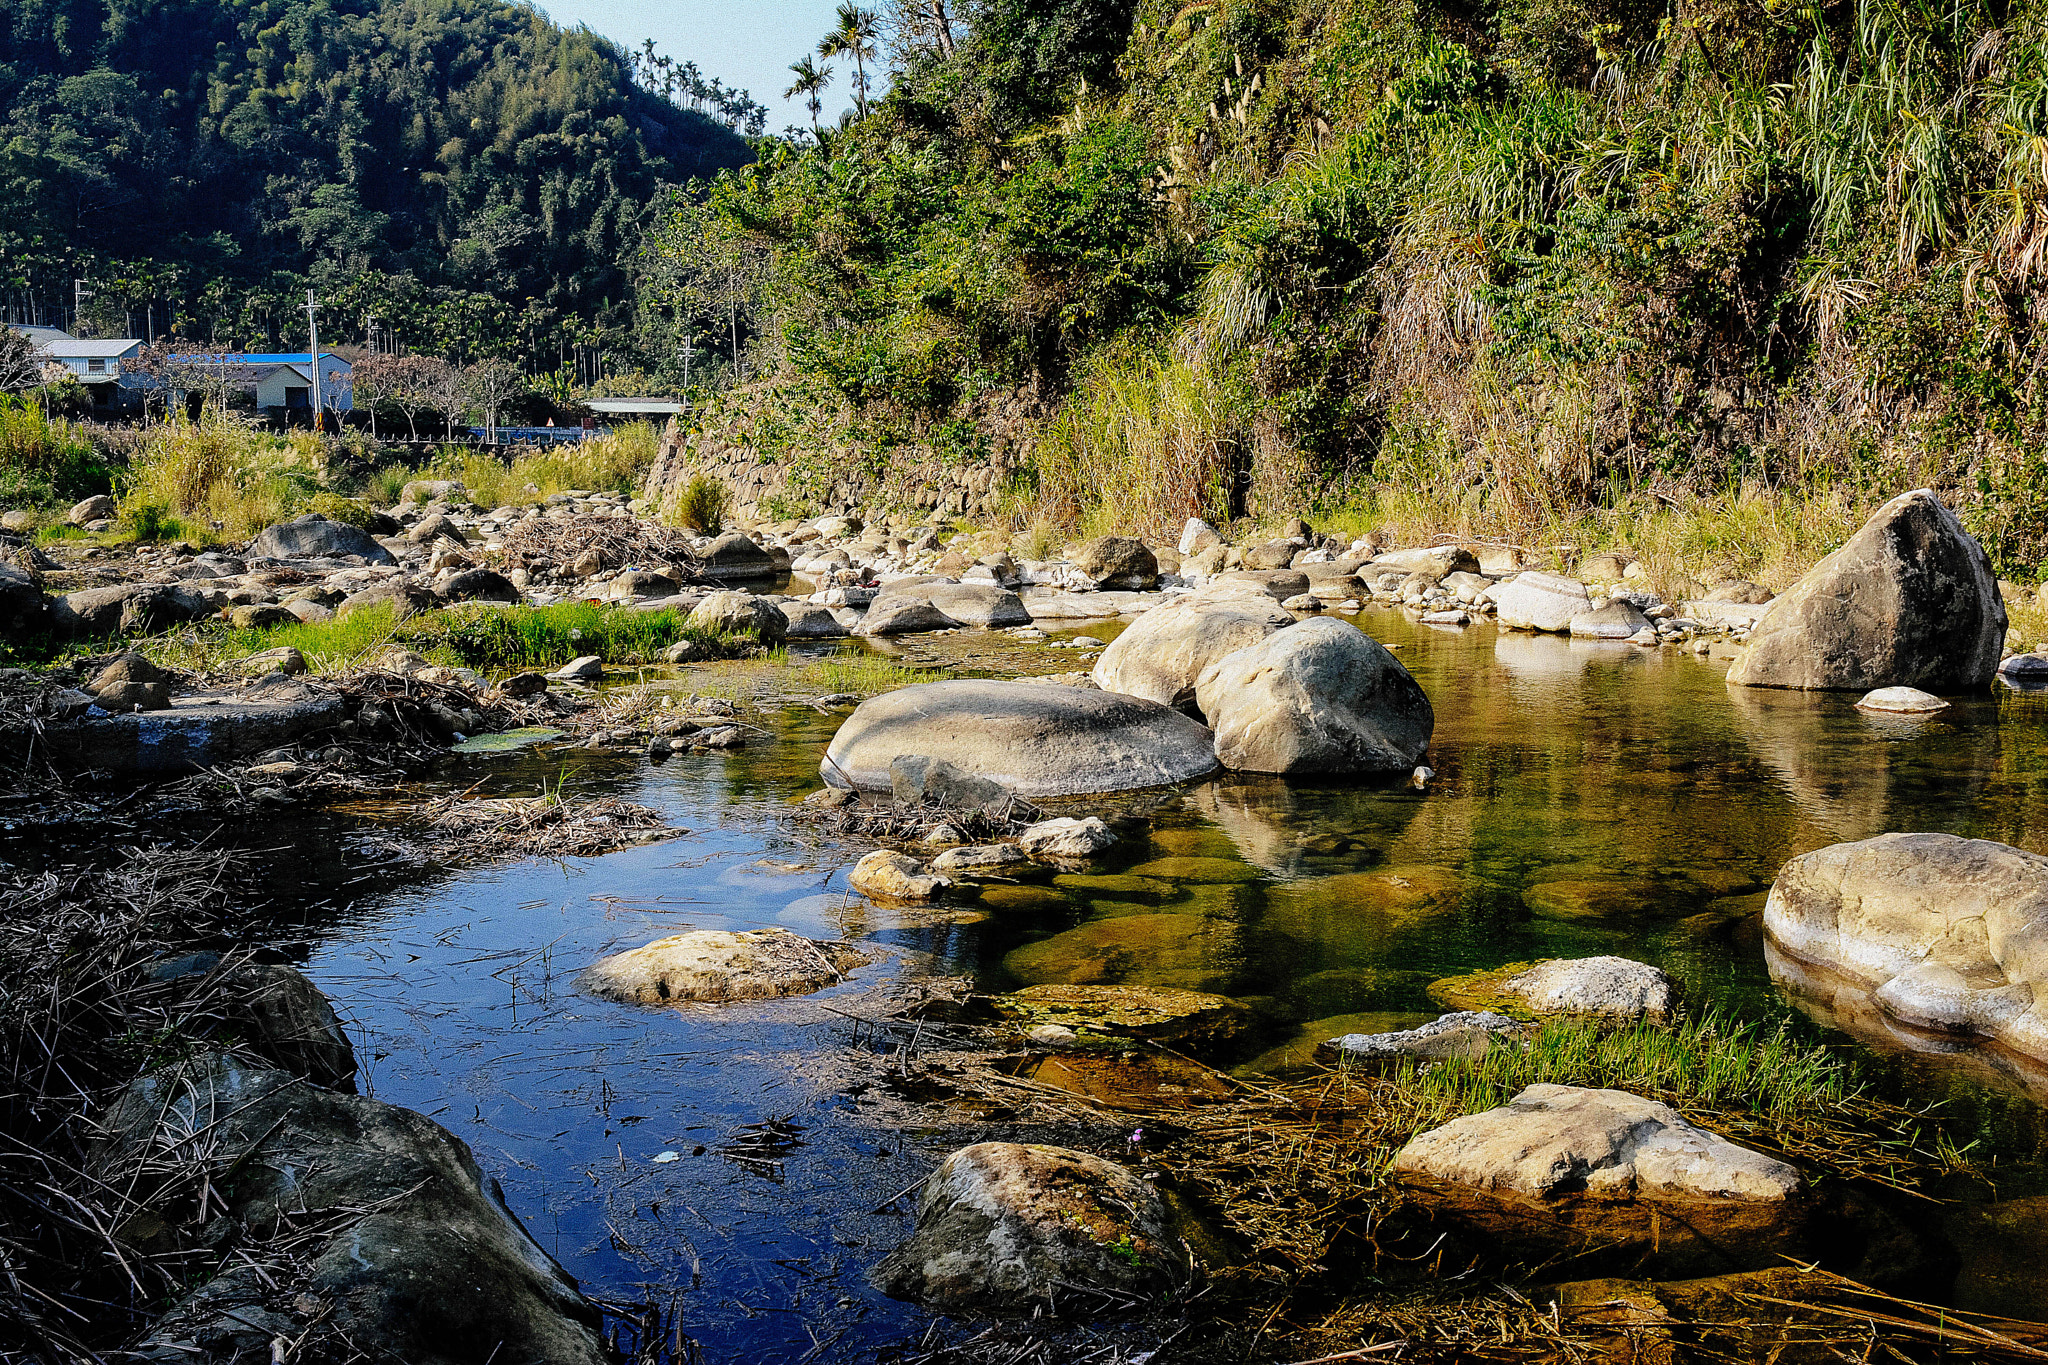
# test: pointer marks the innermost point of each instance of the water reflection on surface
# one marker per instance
(1590, 797)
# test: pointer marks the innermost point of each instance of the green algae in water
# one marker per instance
(506, 741)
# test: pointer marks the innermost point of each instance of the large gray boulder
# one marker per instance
(127, 609)
(313, 536)
(404, 597)
(1036, 739)
(478, 585)
(1564, 1172)
(809, 621)
(1909, 601)
(1160, 656)
(733, 556)
(979, 604)
(1118, 562)
(270, 1011)
(1003, 1225)
(1947, 935)
(1321, 696)
(741, 613)
(1435, 560)
(410, 1252)
(1278, 584)
(1533, 600)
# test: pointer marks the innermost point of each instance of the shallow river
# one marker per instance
(1589, 798)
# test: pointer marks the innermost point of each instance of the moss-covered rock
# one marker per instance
(1117, 1014)
(1187, 952)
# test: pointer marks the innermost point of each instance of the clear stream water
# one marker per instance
(1589, 798)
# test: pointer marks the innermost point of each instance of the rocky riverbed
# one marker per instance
(799, 1024)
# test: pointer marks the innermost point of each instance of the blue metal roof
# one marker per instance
(296, 358)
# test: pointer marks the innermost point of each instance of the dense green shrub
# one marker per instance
(45, 461)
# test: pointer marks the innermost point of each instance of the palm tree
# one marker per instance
(811, 80)
(854, 36)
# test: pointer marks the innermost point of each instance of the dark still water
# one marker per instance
(1589, 798)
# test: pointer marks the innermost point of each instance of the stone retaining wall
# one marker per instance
(967, 490)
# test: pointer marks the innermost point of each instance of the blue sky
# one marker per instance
(748, 43)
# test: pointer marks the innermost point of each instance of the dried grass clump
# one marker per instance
(618, 541)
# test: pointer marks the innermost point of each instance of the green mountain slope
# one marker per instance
(1525, 257)
(157, 146)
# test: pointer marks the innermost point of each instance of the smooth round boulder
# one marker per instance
(1036, 739)
(1908, 601)
(2025, 668)
(887, 875)
(716, 965)
(478, 585)
(1901, 701)
(1947, 935)
(313, 536)
(1321, 696)
(1533, 600)
(809, 621)
(1618, 620)
(1002, 1225)
(1161, 655)
(1118, 562)
(741, 613)
(987, 605)
(734, 556)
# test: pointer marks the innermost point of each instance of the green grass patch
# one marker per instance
(486, 638)
(865, 674)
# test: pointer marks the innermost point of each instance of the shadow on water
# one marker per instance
(1589, 798)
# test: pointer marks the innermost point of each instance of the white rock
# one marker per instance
(888, 875)
(1613, 986)
(1540, 601)
(1901, 701)
(714, 965)
(1066, 838)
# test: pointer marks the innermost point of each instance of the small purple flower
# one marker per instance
(1137, 1136)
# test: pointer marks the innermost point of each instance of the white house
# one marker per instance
(105, 368)
(285, 380)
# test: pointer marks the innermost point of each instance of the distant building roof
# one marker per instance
(635, 405)
(288, 358)
(70, 348)
(42, 336)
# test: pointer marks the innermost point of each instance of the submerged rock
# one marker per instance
(1564, 1172)
(1187, 1019)
(1321, 696)
(1003, 1225)
(1945, 933)
(1033, 739)
(1909, 601)
(717, 965)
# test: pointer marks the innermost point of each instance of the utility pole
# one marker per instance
(313, 328)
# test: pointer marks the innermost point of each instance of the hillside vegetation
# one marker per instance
(464, 170)
(1542, 267)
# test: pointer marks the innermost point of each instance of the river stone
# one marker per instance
(1565, 1172)
(1272, 554)
(1198, 535)
(1003, 1225)
(1614, 987)
(1907, 701)
(407, 1248)
(979, 604)
(1033, 739)
(1949, 935)
(436, 526)
(891, 876)
(268, 1009)
(1118, 562)
(1066, 838)
(131, 683)
(478, 585)
(2026, 667)
(1318, 697)
(1533, 600)
(313, 536)
(1184, 952)
(23, 608)
(582, 668)
(98, 507)
(740, 613)
(1278, 584)
(127, 609)
(1618, 620)
(404, 597)
(734, 556)
(980, 858)
(284, 659)
(1160, 656)
(1435, 560)
(1741, 591)
(1909, 601)
(259, 615)
(1587, 898)
(719, 965)
(1465, 1034)
(919, 780)
(902, 616)
(809, 621)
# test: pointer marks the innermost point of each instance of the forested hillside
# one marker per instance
(1511, 264)
(463, 169)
